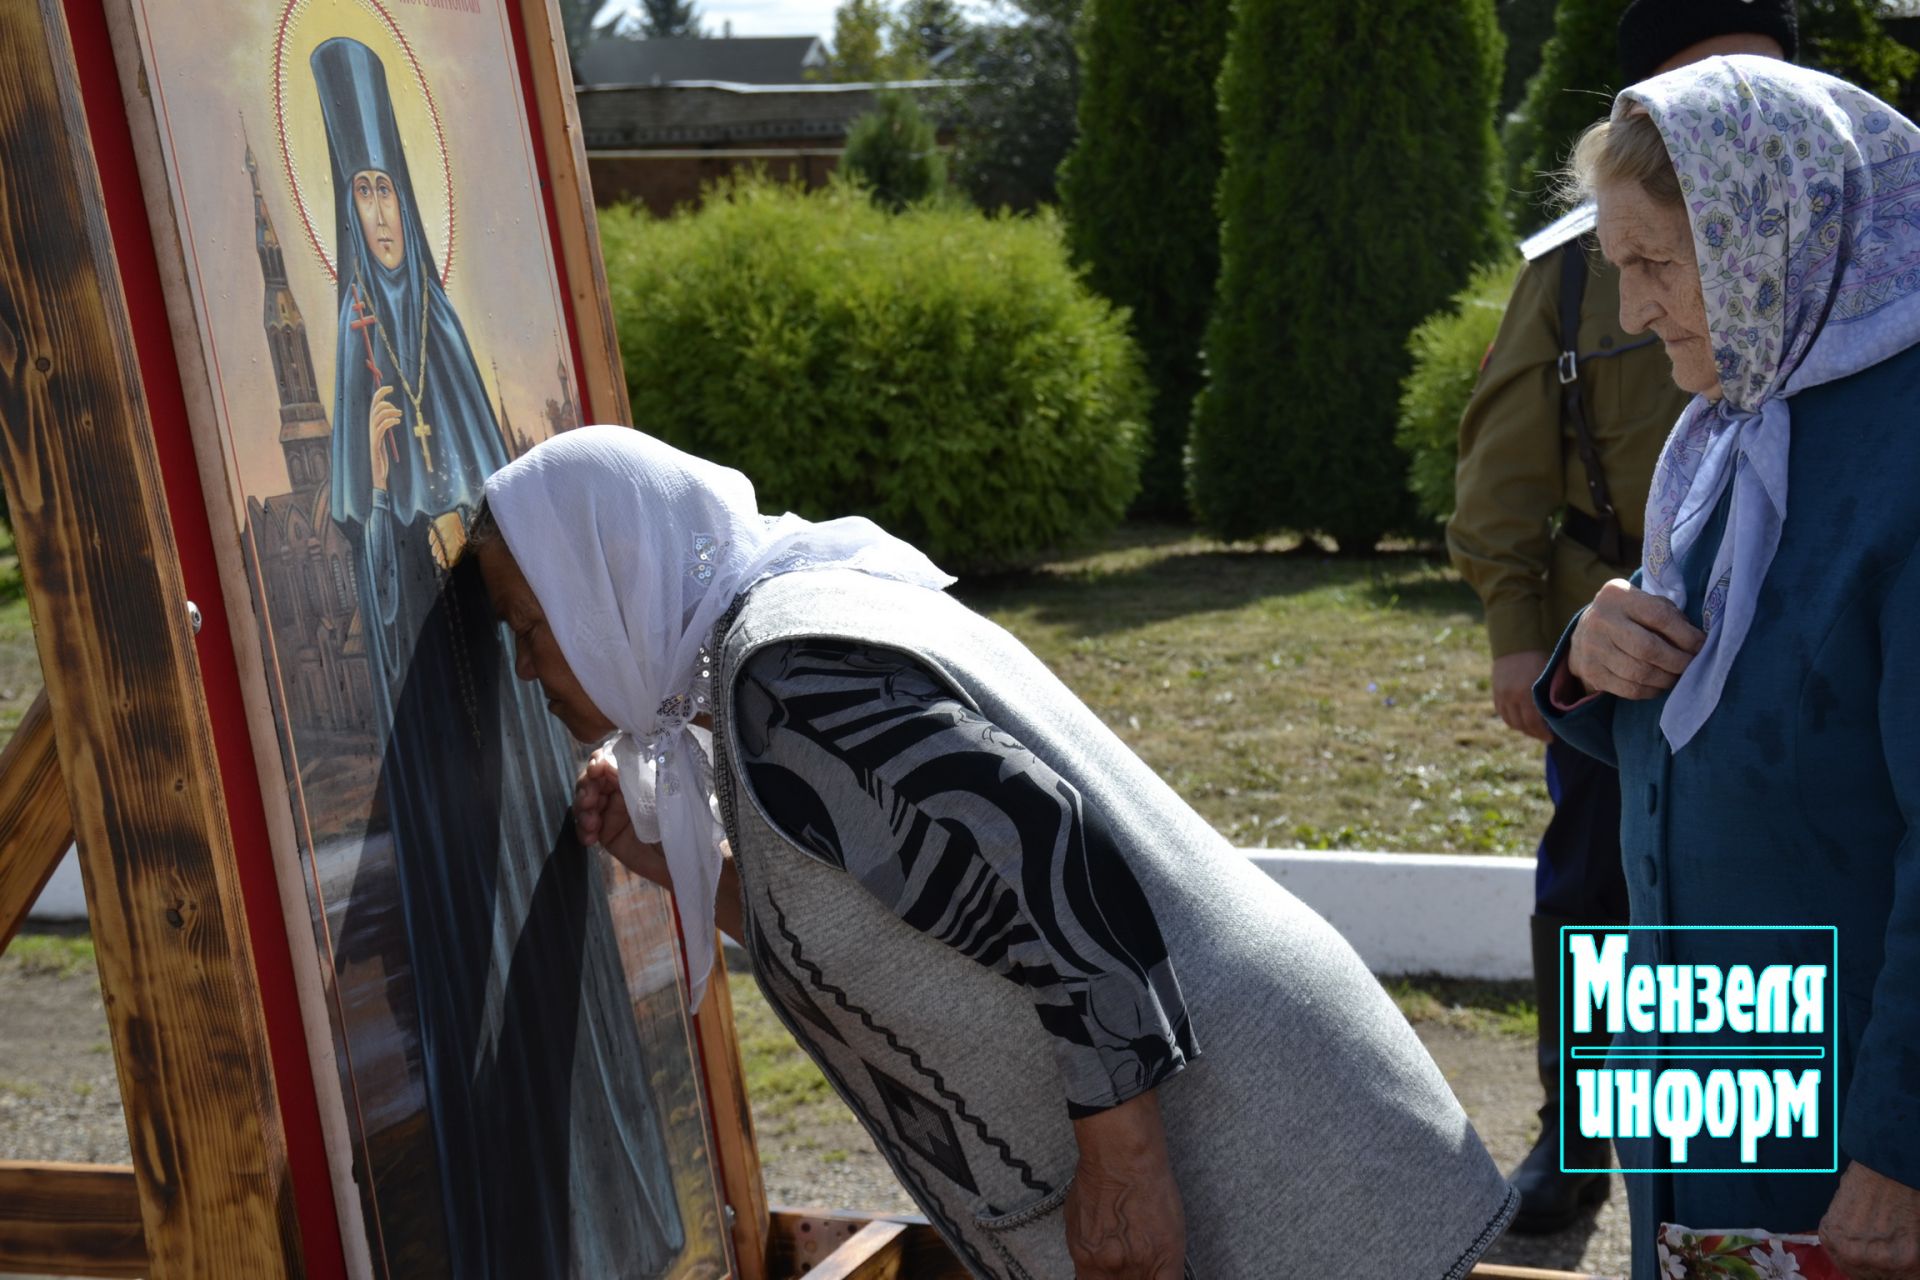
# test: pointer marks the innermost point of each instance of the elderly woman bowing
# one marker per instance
(1090, 1038)
(1758, 682)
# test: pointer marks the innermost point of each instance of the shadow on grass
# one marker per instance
(1150, 574)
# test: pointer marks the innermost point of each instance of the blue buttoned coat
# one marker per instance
(1798, 801)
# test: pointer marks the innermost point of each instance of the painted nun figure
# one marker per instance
(550, 1155)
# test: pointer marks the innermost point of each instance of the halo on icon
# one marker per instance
(301, 134)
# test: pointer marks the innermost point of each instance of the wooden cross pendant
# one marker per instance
(366, 321)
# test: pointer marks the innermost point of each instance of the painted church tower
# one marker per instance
(562, 414)
(305, 436)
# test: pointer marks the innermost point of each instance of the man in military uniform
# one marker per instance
(1557, 449)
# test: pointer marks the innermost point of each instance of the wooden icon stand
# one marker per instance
(139, 750)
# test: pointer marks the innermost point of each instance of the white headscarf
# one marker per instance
(634, 551)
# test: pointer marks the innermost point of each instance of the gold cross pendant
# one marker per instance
(422, 431)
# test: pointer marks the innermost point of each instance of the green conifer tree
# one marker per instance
(1527, 25)
(669, 19)
(932, 26)
(1578, 76)
(1013, 112)
(1846, 38)
(1139, 190)
(893, 152)
(1358, 193)
(1580, 72)
(870, 45)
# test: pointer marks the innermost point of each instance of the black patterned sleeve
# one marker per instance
(870, 764)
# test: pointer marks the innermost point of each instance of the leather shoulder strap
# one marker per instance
(1573, 405)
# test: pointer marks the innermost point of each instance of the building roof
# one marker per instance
(700, 114)
(617, 60)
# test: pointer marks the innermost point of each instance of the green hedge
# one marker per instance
(943, 372)
(1448, 349)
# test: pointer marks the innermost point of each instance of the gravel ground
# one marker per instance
(1493, 1076)
(59, 1100)
(59, 1097)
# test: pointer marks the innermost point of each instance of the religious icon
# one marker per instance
(515, 1058)
(461, 859)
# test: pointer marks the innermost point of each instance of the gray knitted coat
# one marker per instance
(1312, 1138)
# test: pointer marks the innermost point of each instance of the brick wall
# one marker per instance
(658, 145)
(664, 180)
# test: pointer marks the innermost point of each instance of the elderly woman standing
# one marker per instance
(1091, 1039)
(1758, 682)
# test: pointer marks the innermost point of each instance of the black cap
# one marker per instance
(1651, 31)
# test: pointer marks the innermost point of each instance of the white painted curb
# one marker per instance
(63, 898)
(1464, 917)
(1450, 914)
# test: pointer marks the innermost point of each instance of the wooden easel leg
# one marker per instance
(103, 576)
(70, 1220)
(735, 1152)
(35, 825)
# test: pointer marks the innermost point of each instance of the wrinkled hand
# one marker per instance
(382, 418)
(1123, 1215)
(1632, 643)
(600, 817)
(1513, 678)
(1872, 1228)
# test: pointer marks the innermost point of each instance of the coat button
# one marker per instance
(1653, 797)
(1650, 869)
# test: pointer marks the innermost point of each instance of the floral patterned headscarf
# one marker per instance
(1803, 193)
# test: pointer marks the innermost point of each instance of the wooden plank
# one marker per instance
(70, 1220)
(312, 1005)
(35, 824)
(802, 1239)
(736, 1154)
(875, 1252)
(603, 384)
(129, 713)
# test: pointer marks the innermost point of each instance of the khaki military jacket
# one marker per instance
(1520, 464)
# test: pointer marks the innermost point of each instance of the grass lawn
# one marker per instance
(19, 663)
(62, 952)
(1293, 698)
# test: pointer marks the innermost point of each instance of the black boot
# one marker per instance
(1549, 1199)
